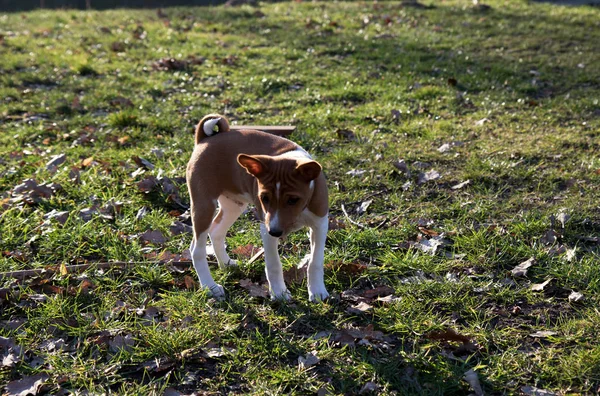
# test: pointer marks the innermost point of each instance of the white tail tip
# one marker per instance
(209, 125)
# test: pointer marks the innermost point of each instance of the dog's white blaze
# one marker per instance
(209, 125)
(277, 188)
(274, 221)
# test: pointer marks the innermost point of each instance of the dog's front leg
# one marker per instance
(273, 266)
(318, 235)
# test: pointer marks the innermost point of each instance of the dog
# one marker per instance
(230, 169)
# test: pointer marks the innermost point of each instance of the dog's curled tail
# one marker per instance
(211, 125)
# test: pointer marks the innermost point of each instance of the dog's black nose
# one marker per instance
(275, 233)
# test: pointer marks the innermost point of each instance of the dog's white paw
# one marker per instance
(316, 294)
(283, 295)
(232, 263)
(216, 291)
(228, 264)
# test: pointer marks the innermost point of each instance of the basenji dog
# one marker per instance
(234, 168)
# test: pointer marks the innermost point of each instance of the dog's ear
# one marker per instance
(308, 171)
(253, 165)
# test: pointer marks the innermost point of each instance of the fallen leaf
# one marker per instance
(402, 166)
(543, 334)
(294, 275)
(346, 134)
(153, 236)
(220, 352)
(473, 379)
(178, 228)
(428, 176)
(360, 308)
(144, 163)
(461, 185)
(246, 251)
(120, 343)
(533, 391)
(254, 289)
(28, 385)
(142, 212)
(482, 121)
(570, 254)
(368, 387)
(521, 269)
(575, 296)
(388, 299)
(377, 292)
(86, 214)
(540, 286)
(117, 46)
(549, 237)
(55, 161)
(562, 217)
(448, 335)
(190, 283)
(307, 361)
(10, 360)
(356, 172)
(364, 206)
(349, 268)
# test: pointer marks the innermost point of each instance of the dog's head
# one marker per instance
(285, 187)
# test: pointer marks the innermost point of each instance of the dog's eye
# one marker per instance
(293, 201)
(265, 199)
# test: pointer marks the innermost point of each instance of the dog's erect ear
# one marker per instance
(253, 165)
(308, 171)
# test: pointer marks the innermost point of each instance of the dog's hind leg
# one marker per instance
(229, 211)
(201, 219)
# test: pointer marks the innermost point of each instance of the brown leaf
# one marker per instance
(346, 134)
(448, 334)
(118, 46)
(348, 268)
(87, 162)
(141, 162)
(147, 184)
(86, 285)
(360, 308)
(153, 236)
(336, 224)
(254, 289)
(190, 283)
(120, 101)
(428, 231)
(294, 275)
(28, 385)
(246, 251)
(377, 292)
(452, 81)
(178, 228)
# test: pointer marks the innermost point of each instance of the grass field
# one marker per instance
(461, 142)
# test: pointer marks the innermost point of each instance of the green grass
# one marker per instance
(87, 84)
